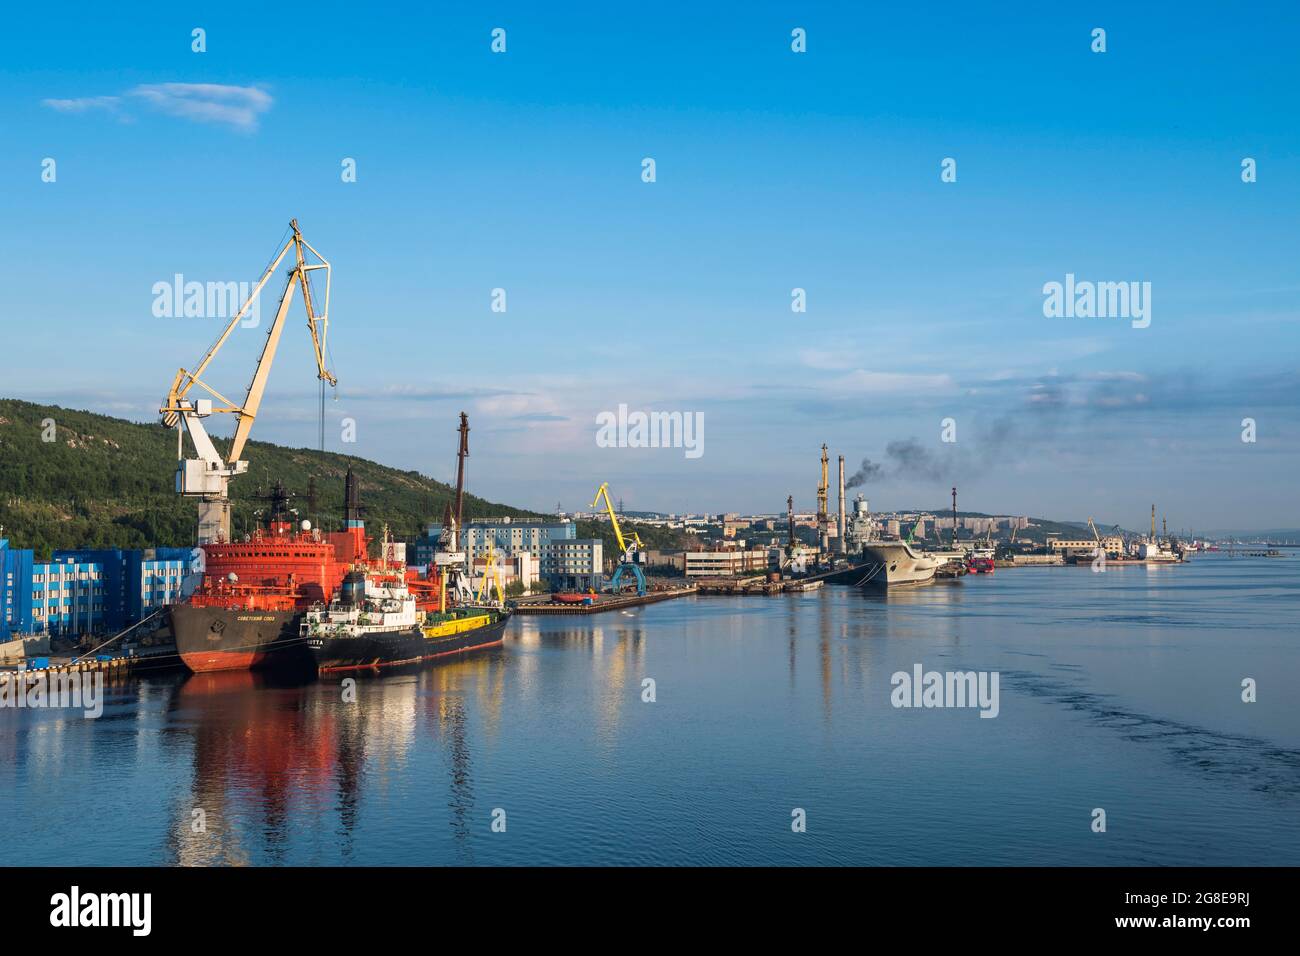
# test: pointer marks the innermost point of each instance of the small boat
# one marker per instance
(979, 565)
(573, 597)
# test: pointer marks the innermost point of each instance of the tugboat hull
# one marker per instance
(394, 648)
(223, 639)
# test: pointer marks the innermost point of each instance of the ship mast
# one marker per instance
(451, 560)
(461, 454)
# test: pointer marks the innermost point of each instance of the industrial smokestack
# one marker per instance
(843, 542)
(823, 508)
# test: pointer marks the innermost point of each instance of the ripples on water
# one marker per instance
(1119, 691)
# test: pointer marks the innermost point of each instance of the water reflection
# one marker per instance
(451, 724)
(254, 747)
(270, 756)
(614, 649)
(1123, 683)
(850, 625)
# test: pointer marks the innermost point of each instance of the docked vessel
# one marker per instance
(380, 617)
(1156, 552)
(215, 638)
(1160, 550)
(374, 622)
(246, 612)
(898, 564)
(948, 556)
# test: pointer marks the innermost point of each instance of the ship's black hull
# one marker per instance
(224, 639)
(855, 575)
(395, 648)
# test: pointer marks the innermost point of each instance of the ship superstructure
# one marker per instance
(375, 621)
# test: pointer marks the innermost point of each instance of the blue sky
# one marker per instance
(775, 170)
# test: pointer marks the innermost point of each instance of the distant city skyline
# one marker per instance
(780, 178)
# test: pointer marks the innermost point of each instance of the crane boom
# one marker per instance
(207, 476)
(625, 546)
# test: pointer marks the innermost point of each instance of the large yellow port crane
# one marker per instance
(207, 476)
(629, 548)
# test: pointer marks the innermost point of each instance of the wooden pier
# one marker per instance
(115, 669)
(149, 659)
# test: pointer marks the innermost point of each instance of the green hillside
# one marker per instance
(105, 482)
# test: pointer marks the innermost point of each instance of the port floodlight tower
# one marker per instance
(207, 476)
(629, 548)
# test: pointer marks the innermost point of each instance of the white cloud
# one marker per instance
(84, 104)
(237, 107)
(861, 380)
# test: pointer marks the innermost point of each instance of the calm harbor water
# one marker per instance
(1119, 690)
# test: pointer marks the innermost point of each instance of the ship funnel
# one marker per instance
(351, 502)
(353, 589)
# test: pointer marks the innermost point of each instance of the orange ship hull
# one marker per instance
(204, 662)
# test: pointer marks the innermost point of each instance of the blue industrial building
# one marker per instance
(15, 590)
(89, 590)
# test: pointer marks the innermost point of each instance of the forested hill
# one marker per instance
(106, 482)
